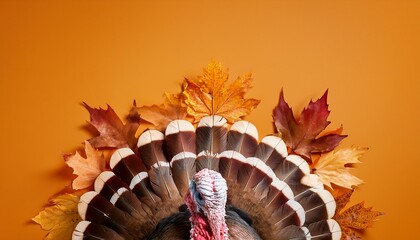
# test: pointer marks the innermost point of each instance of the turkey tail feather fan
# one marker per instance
(211, 182)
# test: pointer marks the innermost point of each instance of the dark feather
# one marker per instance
(86, 230)
(293, 232)
(229, 165)
(183, 169)
(128, 202)
(243, 138)
(95, 208)
(250, 174)
(272, 150)
(162, 182)
(107, 184)
(325, 230)
(212, 134)
(140, 185)
(278, 194)
(179, 137)
(318, 205)
(207, 160)
(291, 171)
(290, 213)
(150, 148)
(125, 164)
(116, 191)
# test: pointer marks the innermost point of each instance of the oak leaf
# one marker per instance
(355, 219)
(60, 218)
(302, 135)
(160, 115)
(113, 132)
(210, 95)
(333, 167)
(86, 169)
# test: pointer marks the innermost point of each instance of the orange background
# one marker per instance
(55, 54)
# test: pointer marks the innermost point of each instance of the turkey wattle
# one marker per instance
(207, 183)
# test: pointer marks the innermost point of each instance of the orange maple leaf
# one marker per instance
(209, 95)
(355, 219)
(160, 115)
(60, 218)
(86, 169)
(113, 132)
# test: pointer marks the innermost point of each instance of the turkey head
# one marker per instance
(206, 200)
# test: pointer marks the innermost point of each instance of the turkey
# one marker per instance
(208, 182)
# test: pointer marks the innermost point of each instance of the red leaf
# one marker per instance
(112, 131)
(301, 135)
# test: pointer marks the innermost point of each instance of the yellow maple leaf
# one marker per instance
(334, 167)
(86, 169)
(60, 218)
(210, 95)
(160, 115)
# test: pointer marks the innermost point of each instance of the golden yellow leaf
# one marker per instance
(86, 169)
(60, 218)
(334, 167)
(210, 95)
(160, 115)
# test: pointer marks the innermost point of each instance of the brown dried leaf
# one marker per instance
(355, 219)
(113, 132)
(342, 199)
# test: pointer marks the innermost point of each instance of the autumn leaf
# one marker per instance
(355, 219)
(210, 95)
(131, 125)
(60, 218)
(86, 169)
(302, 135)
(113, 132)
(333, 167)
(160, 115)
(342, 198)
